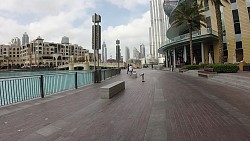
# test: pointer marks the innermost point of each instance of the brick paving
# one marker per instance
(168, 106)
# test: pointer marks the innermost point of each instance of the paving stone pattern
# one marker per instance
(169, 106)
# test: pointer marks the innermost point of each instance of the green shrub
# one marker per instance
(193, 67)
(203, 65)
(224, 68)
(247, 64)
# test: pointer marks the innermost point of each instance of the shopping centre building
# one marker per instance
(236, 35)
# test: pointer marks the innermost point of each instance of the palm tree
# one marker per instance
(190, 14)
(217, 4)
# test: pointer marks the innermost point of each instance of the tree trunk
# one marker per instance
(220, 33)
(191, 45)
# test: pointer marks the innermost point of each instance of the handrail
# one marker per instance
(203, 31)
(21, 88)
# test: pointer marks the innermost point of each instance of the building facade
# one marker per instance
(127, 54)
(104, 52)
(25, 39)
(236, 35)
(15, 41)
(159, 26)
(41, 53)
(65, 40)
(142, 50)
(136, 53)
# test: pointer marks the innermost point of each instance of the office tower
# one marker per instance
(142, 51)
(104, 52)
(127, 54)
(136, 53)
(25, 39)
(16, 41)
(65, 40)
(159, 26)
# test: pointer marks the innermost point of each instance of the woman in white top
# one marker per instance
(130, 69)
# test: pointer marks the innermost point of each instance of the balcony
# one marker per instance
(203, 35)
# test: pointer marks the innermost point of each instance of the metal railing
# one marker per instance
(203, 31)
(23, 88)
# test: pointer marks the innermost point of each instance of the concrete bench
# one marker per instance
(209, 69)
(112, 89)
(183, 70)
(207, 73)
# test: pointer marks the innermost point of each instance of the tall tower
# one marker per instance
(16, 42)
(127, 54)
(25, 39)
(104, 52)
(159, 26)
(65, 40)
(142, 51)
(136, 53)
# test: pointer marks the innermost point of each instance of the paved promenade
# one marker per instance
(169, 106)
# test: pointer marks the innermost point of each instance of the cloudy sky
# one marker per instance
(126, 20)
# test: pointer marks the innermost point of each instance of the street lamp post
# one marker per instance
(96, 43)
(118, 52)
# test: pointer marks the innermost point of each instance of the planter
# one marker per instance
(246, 68)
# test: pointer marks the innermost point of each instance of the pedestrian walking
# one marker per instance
(128, 69)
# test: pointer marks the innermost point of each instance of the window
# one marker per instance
(206, 5)
(239, 55)
(235, 15)
(208, 21)
(237, 28)
(248, 8)
(232, 1)
(224, 46)
(17, 56)
(238, 44)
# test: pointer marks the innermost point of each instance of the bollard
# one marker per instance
(41, 87)
(172, 68)
(142, 77)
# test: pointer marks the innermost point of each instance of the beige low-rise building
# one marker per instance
(40, 53)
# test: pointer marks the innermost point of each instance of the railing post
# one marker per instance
(41, 87)
(104, 74)
(76, 80)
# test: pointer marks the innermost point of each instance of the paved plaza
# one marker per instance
(168, 106)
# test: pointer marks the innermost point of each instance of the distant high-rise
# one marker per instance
(136, 54)
(104, 52)
(25, 39)
(142, 51)
(65, 40)
(127, 54)
(159, 26)
(16, 42)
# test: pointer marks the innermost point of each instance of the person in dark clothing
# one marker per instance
(128, 69)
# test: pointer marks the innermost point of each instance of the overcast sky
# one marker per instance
(126, 20)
